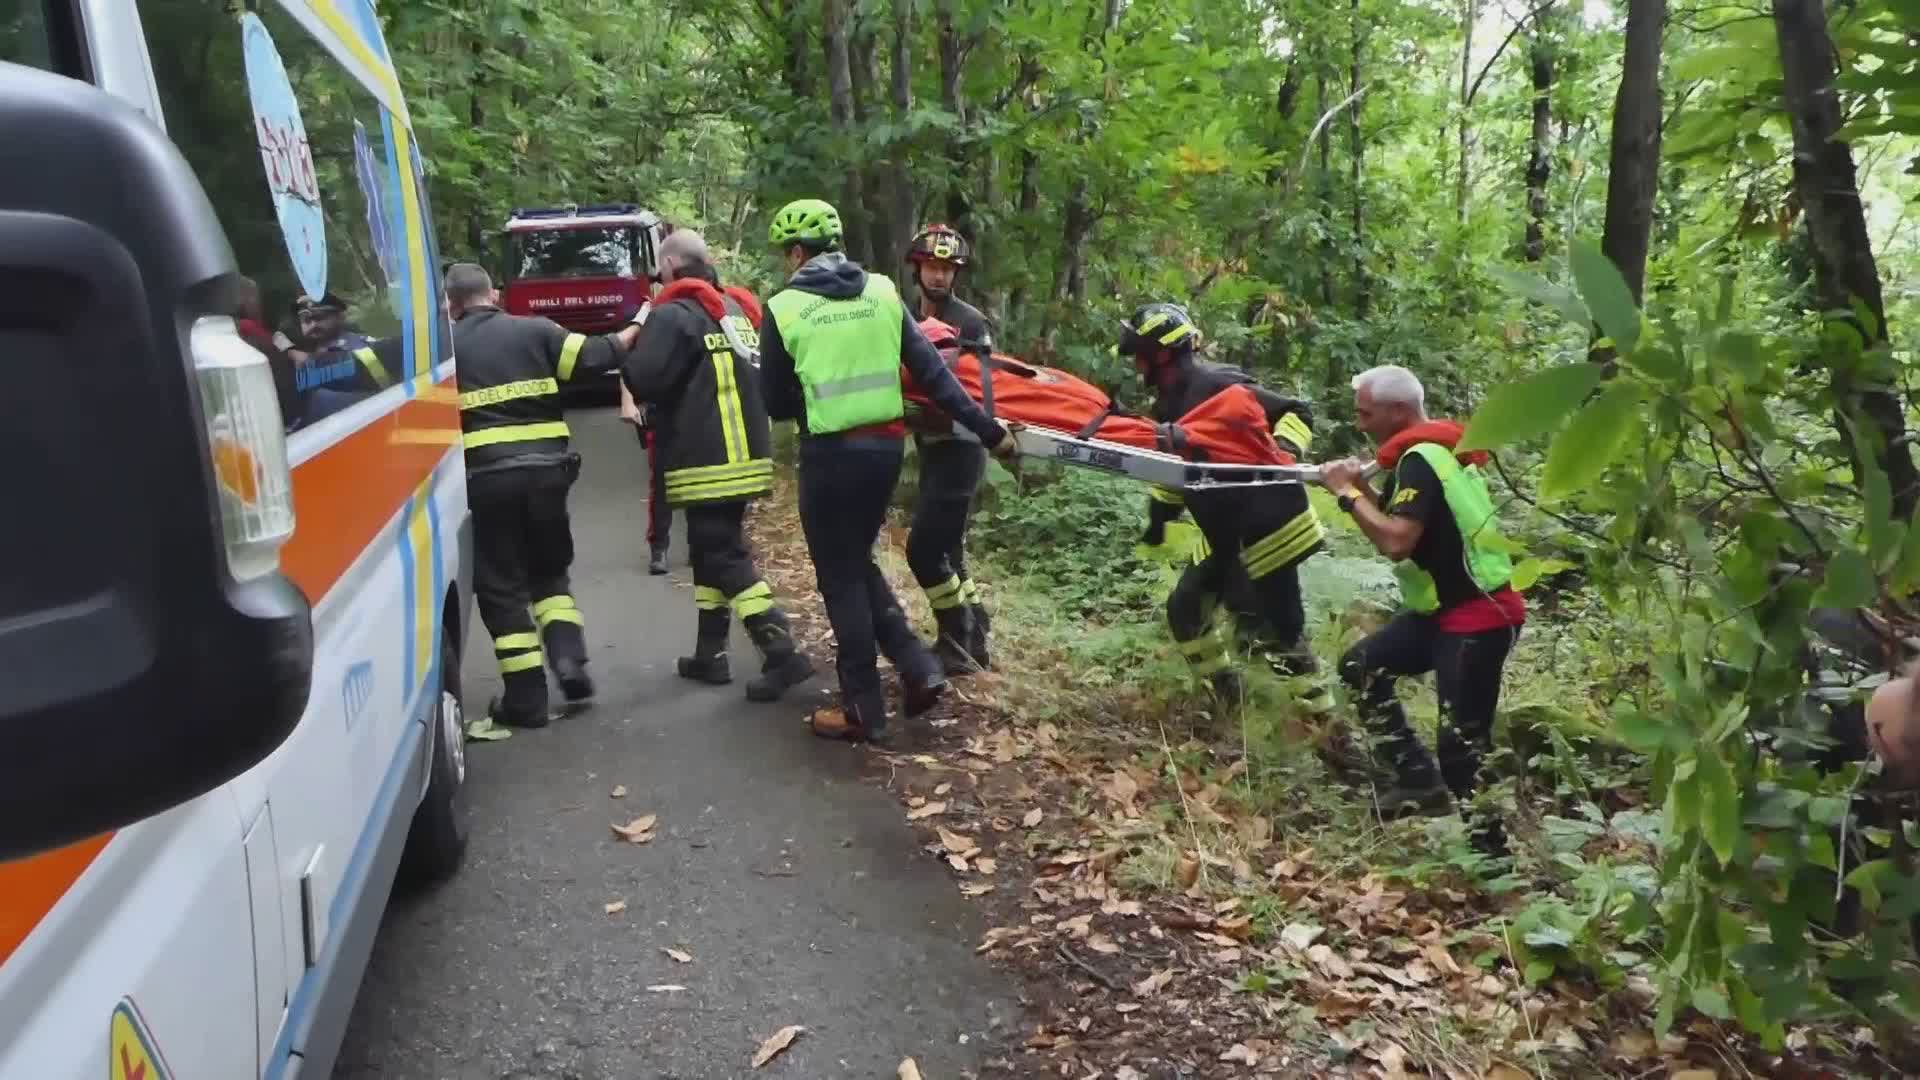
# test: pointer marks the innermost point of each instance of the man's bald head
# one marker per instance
(1893, 727)
(684, 254)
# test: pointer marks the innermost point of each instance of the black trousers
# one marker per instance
(659, 513)
(523, 551)
(845, 486)
(950, 475)
(1466, 674)
(1274, 597)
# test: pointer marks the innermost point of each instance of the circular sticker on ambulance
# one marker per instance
(285, 156)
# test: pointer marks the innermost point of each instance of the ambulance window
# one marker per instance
(28, 34)
(295, 155)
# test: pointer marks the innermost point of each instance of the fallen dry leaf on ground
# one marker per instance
(637, 831)
(1153, 983)
(665, 988)
(957, 843)
(616, 907)
(908, 1071)
(1128, 1072)
(1187, 871)
(1102, 944)
(1503, 1071)
(1300, 936)
(986, 866)
(944, 787)
(1694, 1074)
(973, 888)
(678, 956)
(775, 1043)
(1034, 817)
(927, 811)
(619, 791)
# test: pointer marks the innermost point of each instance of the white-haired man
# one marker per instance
(1435, 519)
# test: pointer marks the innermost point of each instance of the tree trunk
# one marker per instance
(1634, 154)
(1844, 271)
(798, 72)
(1469, 10)
(900, 177)
(840, 113)
(1326, 196)
(1028, 203)
(1070, 281)
(862, 49)
(954, 47)
(477, 116)
(1540, 143)
(1362, 286)
(1633, 163)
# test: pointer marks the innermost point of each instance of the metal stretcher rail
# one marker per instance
(1154, 466)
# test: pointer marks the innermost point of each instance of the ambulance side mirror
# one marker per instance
(150, 650)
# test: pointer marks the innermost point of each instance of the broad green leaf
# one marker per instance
(1906, 570)
(1719, 804)
(1606, 295)
(1539, 289)
(1528, 572)
(1641, 731)
(1529, 408)
(1590, 443)
(1870, 878)
(1878, 496)
(1712, 1002)
(1683, 800)
(1849, 581)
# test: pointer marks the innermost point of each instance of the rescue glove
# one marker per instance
(1007, 448)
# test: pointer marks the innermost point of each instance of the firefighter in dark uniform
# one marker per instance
(519, 467)
(951, 467)
(697, 365)
(1263, 532)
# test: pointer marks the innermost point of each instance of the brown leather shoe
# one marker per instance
(838, 722)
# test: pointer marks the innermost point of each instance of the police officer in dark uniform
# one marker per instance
(519, 467)
(334, 364)
(1268, 531)
(951, 468)
(698, 366)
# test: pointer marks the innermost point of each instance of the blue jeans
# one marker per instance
(845, 486)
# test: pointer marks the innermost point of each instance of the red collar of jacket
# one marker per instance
(1445, 432)
(708, 297)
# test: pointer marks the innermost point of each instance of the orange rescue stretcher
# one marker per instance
(1061, 417)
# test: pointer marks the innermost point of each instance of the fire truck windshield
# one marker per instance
(565, 253)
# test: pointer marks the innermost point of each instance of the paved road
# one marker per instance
(795, 883)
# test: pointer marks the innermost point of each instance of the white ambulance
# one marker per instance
(237, 540)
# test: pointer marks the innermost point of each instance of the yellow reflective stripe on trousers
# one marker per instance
(733, 424)
(513, 391)
(522, 662)
(753, 600)
(969, 592)
(570, 355)
(512, 642)
(547, 429)
(554, 609)
(731, 489)
(371, 361)
(1166, 495)
(1283, 545)
(708, 598)
(945, 595)
(720, 472)
(1205, 654)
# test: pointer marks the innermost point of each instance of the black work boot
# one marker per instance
(708, 664)
(523, 702)
(657, 561)
(956, 630)
(861, 719)
(783, 666)
(574, 681)
(922, 691)
(977, 639)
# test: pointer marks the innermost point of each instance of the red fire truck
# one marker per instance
(588, 268)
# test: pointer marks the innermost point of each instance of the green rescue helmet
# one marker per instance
(813, 222)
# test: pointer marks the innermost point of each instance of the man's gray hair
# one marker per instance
(468, 283)
(1391, 384)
